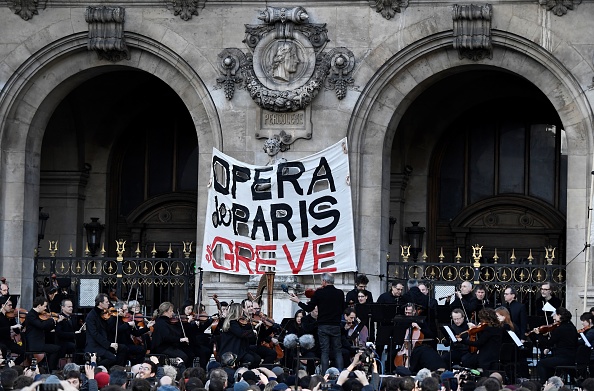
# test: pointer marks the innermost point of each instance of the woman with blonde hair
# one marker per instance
(238, 336)
(168, 336)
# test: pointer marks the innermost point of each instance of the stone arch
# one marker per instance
(26, 105)
(396, 84)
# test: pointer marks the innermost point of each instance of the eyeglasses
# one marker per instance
(144, 368)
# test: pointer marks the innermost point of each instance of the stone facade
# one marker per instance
(49, 50)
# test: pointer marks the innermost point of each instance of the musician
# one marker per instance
(4, 290)
(66, 330)
(393, 305)
(330, 303)
(458, 351)
(363, 311)
(465, 299)
(423, 354)
(237, 337)
(488, 342)
(546, 296)
(587, 322)
(517, 311)
(562, 343)
(361, 282)
(35, 332)
(266, 340)
(415, 296)
(8, 326)
(195, 327)
(127, 330)
(97, 341)
(349, 331)
(480, 292)
(168, 336)
(431, 312)
(508, 325)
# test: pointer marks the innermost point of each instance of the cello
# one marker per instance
(411, 341)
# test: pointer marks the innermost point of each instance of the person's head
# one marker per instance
(466, 287)
(134, 306)
(504, 316)
(121, 307)
(545, 290)
(413, 282)
(67, 307)
(349, 315)
(118, 378)
(423, 288)
(361, 282)
(102, 301)
(188, 309)
(272, 146)
(73, 377)
(397, 289)
(247, 305)
(7, 305)
(362, 297)
(480, 292)
(147, 370)
(256, 308)
(22, 381)
(327, 279)
(492, 384)
(430, 384)
(509, 294)
(555, 381)
(3, 289)
(458, 316)
(165, 309)
(588, 384)
(7, 378)
(219, 374)
(299, 316)
(562, 315)
(314, 312)
(140, 384)
(488, 316)
(409, 309)
(587, 319)
(40, 303)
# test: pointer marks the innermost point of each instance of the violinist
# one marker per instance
(348, 330)
(266, 342)
(458, 351)
(169, 336)
(8, 325)
(67, 329)
(238, 337)
(488, 341)
(587, 322)
(97, 342)
(195, 326)
(35, 332)
(562, 345)
(141, 330)
(124, 322)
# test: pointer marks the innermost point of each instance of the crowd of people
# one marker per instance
(334, 341)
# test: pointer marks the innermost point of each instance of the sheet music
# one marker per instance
(450, 333)
(586, 340)
(515, 338)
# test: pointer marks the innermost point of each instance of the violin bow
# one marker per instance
(463, 308)
(182, 326)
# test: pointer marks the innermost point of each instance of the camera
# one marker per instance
(88, 356)
(366, 359)
(33, 364)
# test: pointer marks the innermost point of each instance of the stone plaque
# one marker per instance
(296, 123)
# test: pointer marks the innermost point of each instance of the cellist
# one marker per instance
(488, 335)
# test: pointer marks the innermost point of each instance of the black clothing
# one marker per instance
(6, 341)
(166, 340)
(519, 316)
(488, 343)
(421, 300)
(540, 302)
(330, 302)
(97, 341)
(352, 299)
(469, 304)
(200, 342)
(389, 311)
(65, 335)
(563, 343)
(35, 337)
(363, 313)
(237, 339)
(458, 350)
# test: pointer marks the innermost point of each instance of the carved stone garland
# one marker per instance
(560, 7)
(26, 8)
(288, 66)
(106, 32)
(472, 31)
(388, 8)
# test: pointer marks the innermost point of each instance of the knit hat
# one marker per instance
(250, 375)
(102, 379)
(52, 379)
(278, 371)
(240, 386)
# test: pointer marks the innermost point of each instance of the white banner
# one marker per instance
(293, 218)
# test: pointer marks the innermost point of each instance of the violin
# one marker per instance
(108, 313)
(547, 328)
(584, 329)
(49, 315)
(310, 292)
(18, 313)
(472, 335)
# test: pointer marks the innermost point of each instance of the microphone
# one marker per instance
(285, 288)
(291, 341)
(445, 297)
(307, 341)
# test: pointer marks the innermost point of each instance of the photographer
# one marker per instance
(357, 369)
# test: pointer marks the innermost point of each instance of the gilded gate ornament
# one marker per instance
(287, 66)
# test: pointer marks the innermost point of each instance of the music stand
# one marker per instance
(383, 314)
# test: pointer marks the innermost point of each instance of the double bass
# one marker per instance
(411, 341)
